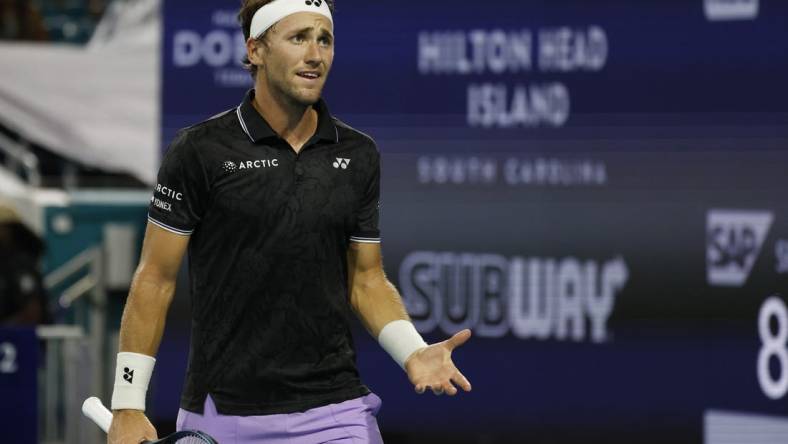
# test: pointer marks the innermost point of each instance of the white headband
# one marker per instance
(271, 13)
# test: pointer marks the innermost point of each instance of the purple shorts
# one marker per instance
(348, 422)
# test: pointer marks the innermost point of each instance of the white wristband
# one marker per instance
(132, 376)
(400, 339)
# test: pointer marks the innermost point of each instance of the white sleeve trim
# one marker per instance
(169, 228)
(365, 240)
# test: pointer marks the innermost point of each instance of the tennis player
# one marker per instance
(276, 202)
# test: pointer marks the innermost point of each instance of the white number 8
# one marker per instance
(773, 345)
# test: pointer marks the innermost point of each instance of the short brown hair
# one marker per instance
(245, 15)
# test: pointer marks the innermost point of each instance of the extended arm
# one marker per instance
(377, 303)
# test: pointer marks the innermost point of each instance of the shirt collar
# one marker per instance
(255, 126)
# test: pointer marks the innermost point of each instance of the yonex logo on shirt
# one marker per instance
(166, 206)
(315, 3)
(341, 163)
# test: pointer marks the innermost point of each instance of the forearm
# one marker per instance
(377, 302)
(142, 324)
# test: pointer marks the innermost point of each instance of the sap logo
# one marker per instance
(341, 163)
(721, 10)
(733, 242)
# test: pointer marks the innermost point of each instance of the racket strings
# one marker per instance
(185, 437)
(192, 440)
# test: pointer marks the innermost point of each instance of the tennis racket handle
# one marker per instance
(95, 411)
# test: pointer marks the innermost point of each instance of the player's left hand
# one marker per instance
(431, 367)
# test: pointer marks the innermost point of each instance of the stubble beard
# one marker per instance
(295, 96)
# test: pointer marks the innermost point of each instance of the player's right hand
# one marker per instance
(130, 427)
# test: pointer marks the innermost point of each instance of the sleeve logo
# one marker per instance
(165, 191)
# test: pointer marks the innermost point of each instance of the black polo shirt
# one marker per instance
(269, 232)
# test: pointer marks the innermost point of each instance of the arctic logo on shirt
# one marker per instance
(232, 167)
(168, 192)
(341, 163)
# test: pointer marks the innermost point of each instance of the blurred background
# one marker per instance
(597, 188)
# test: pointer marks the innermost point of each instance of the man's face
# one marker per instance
(297, 57)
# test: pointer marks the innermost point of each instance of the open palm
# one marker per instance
(431, 367)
